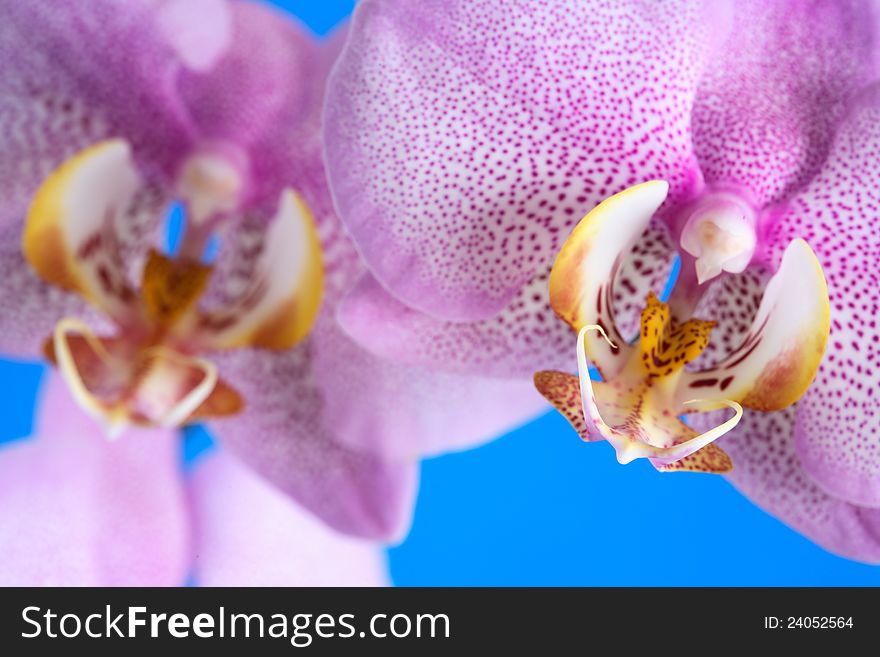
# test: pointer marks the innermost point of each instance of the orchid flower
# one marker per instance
(81, 510)
(111, 114)
(465, 139)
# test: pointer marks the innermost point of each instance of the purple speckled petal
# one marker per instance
(523, 338)
(465, 138)
(767, 106)
(38, 305)
(78, 509)
(76, 73)
(250, 534)
(838, 422)
(283, 436)
(767, 470)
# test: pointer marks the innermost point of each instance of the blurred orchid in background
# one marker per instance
(465, 139)
(110, 114)
(81, 510)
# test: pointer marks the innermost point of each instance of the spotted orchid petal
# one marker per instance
(515, 140)
(837, 434)
(280, 545)
(122, 53)
(769, 100)
(80, 510)
(522, 338)
(582, 279)
(779, 355)
(769, 472)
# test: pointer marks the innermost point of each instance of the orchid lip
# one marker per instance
(648, 430)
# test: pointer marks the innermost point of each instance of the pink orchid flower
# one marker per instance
(465, 139)
(111, 112)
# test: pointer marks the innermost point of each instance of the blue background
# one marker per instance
(538, 507)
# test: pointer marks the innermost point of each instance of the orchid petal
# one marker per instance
(837, 434)
(397, 411)
(770, 99)
(778, 358)
(768, 471)
(80, 73)
(38, 305)
(522, 338)
(200, 31)
(581, 282)
(432, 121)
(284, 436)
(250, 534)
(80, 510)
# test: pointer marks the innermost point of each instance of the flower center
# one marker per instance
(645, 387)
(720, 234)
(149, 369)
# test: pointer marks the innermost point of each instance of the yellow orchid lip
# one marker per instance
(645, 388)
(133, 379)
(150, 372)
(637, 413)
